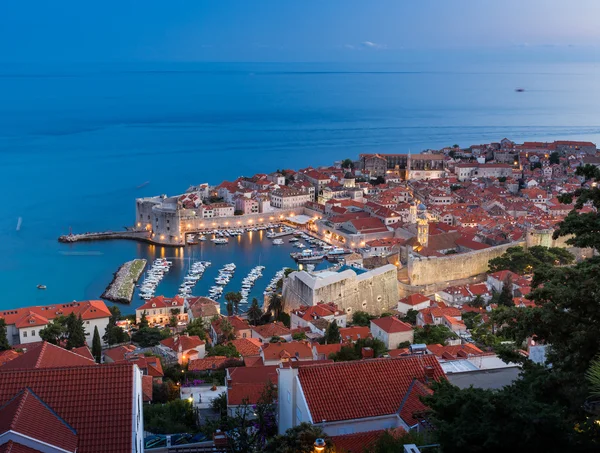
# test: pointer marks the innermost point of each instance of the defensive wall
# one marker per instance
(446, 269)
(374, 291)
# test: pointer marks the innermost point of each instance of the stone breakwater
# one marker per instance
(122, 287)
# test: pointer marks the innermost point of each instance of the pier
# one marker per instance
(280, 235)
(143, 236)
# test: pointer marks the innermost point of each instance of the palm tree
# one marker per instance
(254, 312)
(234, 298)
(229, 308)
(276, 305)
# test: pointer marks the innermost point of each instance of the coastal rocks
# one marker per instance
(123, 283)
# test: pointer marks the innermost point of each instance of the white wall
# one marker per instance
(137, 432)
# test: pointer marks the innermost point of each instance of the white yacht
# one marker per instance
(277, 242)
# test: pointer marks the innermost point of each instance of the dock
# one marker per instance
(143, 236)
(280, 235)
(122, 286)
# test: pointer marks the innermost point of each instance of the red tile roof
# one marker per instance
(14, 447)
(27, 415)
(91, 309)
(327, 349)
(247, 347)
(210, 363)
(327, 387)
(415, 299)
(84, 351)
(119, 353)
(7, 356)
(162, 302)
(249, 383)
(183, 342)
(391, 324)
(95, 400)
(283, 351)
(271, 330)
(147, 388)
(354, 333)
(359, 442)
(47, 355)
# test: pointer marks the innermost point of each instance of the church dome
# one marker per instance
(422, 207)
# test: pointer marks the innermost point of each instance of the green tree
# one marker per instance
(196, 328)
(478, 301)
(299, 439)
(275, 305)
(521, 261)
(227, 331)
(254, 312)
(233, 301)
(4, 344)
(299, 336)
(173, 321)
(361, 318)
(411, 316)
(75, 331)
(227, 350)
(178, 416)
(332, 333)
(554, 158)
(433, 334)
(147, 337)
(347, 163)
(354, 352)
(114, 334)
(546, 408)
(506, 295)
(143, 321)
(97, 346)
(55, 331)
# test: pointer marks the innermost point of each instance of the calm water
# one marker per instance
(76, 142)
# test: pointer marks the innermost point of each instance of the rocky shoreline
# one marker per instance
(122, 286)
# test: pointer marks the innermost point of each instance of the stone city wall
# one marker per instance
(433, 270)
(374, 292)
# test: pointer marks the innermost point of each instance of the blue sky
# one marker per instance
(285, 30)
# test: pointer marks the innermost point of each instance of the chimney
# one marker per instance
(429, 373)
(367, 353)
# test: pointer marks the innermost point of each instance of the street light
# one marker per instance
(319, 445)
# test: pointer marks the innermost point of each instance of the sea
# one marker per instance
(79, 142)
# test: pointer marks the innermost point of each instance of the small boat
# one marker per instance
(202, 237)
(519, 90)
(41, 286)
(191, 240)
(277, 242)
(220, 240)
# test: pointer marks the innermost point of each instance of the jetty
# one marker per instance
(280, 235)
(143, 236)
(123, 283)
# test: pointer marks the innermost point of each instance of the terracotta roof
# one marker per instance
(461, 351)
(326, 387)
(359, 442)
(272, 329)
(90, 309)
(253, 361)
(7, 356)
(209, 363)
(247, 347)
(293, 349)
(391, 324)
(47, 355)
(95, 400)
(162, 302)
(84, 351)
(415, 299)
(327, 349)
(27, 415)
(147, 388)
(14, 447)
(119, 353)
(354, 333)
(249, 383)
(184, 342)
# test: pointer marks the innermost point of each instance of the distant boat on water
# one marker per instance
(144, 184)
(519, 90)
(19, 222)
(41, 287)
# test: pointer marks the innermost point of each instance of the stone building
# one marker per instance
(373, 291)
